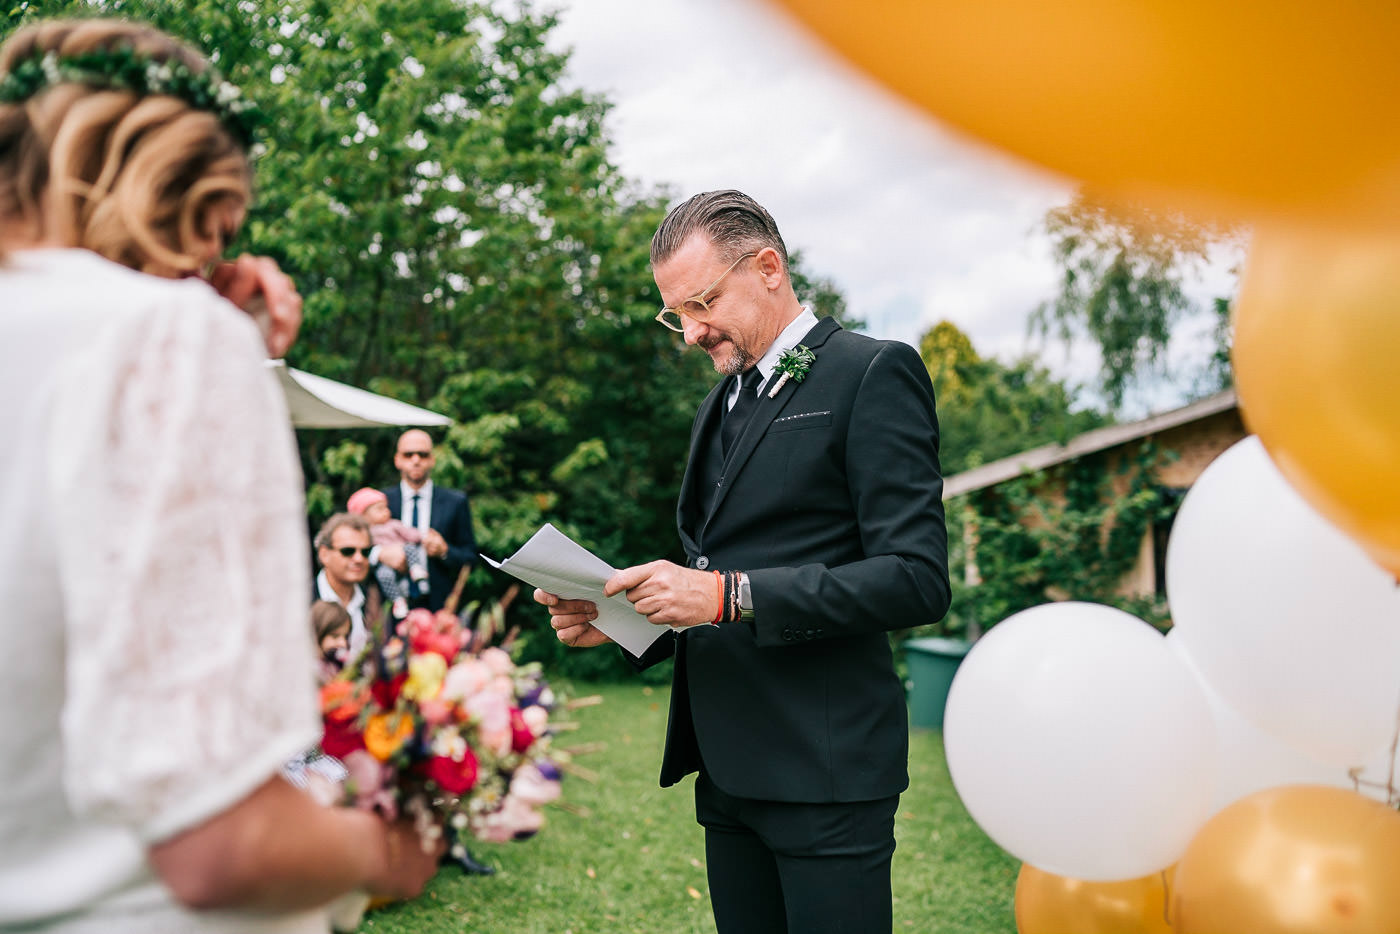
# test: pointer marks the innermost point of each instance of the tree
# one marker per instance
(447, 206)
(1122, 282)
(988, 409)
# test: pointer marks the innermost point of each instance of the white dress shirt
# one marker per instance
(790, 337)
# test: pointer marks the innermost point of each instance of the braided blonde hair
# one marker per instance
(140, 179)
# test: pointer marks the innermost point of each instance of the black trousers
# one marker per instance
(777, 867)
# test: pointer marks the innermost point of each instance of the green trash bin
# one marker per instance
(932, 664)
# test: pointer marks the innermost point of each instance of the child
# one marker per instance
(386, 530)
(330, 623)
(320, 775)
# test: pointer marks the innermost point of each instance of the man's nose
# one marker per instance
(694, 330)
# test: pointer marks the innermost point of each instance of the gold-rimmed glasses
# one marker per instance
(698, 307)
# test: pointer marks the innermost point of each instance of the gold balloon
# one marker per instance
(1051, 904)
(1252, 108)
(1299, 859)
(1317, 366)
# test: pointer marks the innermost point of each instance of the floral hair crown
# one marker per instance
(126, 70)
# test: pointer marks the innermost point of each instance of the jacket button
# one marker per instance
(787, 635)
(702, 562)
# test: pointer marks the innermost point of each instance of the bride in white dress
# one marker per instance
(152, 539)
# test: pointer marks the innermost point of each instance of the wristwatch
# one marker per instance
(745, 598)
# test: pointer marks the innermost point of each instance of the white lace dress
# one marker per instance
(157, 665)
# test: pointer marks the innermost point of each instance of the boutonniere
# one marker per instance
(792, 364)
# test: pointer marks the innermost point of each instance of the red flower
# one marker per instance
(454, 777)
(386, 693)
(521, 736)
(440, 634)
(341, 738)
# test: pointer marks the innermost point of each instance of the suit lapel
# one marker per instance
(768, 409)
(688, 519)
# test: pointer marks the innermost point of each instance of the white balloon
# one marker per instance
(1247, 758)
(1284, 616)
(1080, 743)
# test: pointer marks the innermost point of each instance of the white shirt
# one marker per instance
(359, 633)
(153, 579)
(790, 337)
(425, 504)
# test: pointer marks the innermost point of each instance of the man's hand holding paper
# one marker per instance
(586, 595)
(665, 593)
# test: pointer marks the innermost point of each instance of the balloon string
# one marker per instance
(1390, 793)
(1166, 901)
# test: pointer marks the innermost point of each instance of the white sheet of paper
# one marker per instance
(552, 561)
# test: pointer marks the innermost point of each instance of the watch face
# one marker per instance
(745, 599)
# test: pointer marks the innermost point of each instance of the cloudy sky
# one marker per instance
(915, 224)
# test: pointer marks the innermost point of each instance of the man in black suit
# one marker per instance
(812, 520)
(443, 516)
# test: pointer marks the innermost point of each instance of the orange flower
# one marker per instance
(341, 701)
(385, 734)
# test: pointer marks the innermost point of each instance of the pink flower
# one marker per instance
(498, 660)
(537, 719)
(369, 781)
(530, 786)
(437, 711)
(492, 714)
(515, 820)
(465, 679)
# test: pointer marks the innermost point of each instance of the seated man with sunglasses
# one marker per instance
(342, 550)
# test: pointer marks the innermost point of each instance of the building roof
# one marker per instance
(1100, 439)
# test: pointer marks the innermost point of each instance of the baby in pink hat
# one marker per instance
(384, 529)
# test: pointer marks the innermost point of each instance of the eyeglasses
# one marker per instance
(423, 454)
(349, 551)
(698, 307)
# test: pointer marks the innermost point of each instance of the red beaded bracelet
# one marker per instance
(719, 596)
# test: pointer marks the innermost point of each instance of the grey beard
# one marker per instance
(739, 361)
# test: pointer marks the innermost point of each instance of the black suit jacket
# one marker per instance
(831, 501)
(452, 517)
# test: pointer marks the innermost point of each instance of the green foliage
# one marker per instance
(988, 409)
(1122, 269)
(820, 293)
(447, 207)
(1030, 545)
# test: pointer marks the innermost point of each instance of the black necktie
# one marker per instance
(414, 523)
(737, 416)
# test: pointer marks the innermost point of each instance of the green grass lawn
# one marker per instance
(636, 862)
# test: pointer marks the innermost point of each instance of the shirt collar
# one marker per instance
(426, 490)
(326, 592)
(790, 337)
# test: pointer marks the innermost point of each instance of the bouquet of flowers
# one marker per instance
(437, 724)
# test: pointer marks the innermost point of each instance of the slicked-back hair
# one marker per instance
(730, 220)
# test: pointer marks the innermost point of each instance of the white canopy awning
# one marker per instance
(317, 402)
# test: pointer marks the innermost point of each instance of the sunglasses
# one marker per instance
(349, 551)
(423, 454)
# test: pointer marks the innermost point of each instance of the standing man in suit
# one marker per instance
(443, 516)
(812, 521)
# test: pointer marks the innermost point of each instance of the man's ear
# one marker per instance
(769, 263)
